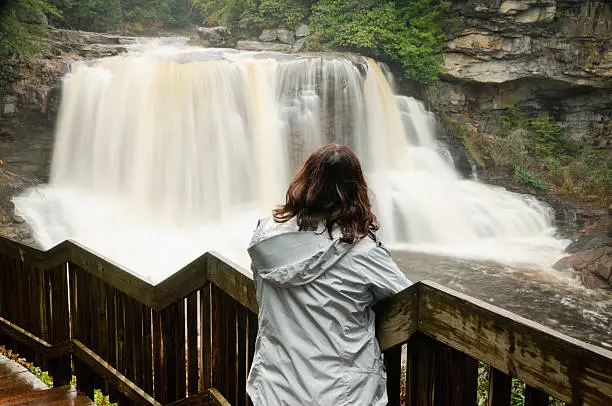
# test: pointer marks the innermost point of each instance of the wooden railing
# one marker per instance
(190, 339)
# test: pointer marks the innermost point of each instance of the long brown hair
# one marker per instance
(330, 189)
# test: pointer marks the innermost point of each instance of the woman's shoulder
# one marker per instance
(267, 227)
(368, 246)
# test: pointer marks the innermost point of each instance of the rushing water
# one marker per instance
(169, 151)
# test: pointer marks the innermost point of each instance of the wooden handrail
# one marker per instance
(546, 360)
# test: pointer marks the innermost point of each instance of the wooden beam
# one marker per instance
(566, 368)
(181, 284)
(116, 276)
(110, 374)
(397, 318)
(233, 280)
(217, 398)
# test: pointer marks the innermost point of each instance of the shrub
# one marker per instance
(528, 178)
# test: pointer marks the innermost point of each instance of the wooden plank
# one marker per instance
(228, 277)
(218, 348)
(566, 368)
(231, 358)
(397, 318)
(111, 323)
(136, 340)
(59, 323)
(20, 335)
(181, 284)
(420, 371)
(147, 351)
(131, 284)
(120, 324)
(243, 356)
(23, 252)
(174, 352)
(534, 397)
(126, 387)
(500, 388)
(180, 364)
(130, 365)
(160, 385)
(205, 338)
(217, 398)
(393, 364)
(192, 341)
(200, 399)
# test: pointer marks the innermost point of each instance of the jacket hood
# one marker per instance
(285, 256)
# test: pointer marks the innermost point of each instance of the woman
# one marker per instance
(318, 270)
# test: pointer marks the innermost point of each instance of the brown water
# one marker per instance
(552, 298)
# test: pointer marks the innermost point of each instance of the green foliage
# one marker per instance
(410, 33)
(281, 13)
(101, 400)
(510, 151)
(91, 15)
(17, 22)
(528, 178)
(548, 138)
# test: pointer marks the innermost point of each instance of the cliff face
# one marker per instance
(541, 55)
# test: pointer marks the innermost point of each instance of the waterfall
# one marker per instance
(170, 151)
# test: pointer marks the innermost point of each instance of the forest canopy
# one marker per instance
(408, 33)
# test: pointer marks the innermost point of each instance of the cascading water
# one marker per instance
(170, 151)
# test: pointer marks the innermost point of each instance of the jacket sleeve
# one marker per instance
(384, 277)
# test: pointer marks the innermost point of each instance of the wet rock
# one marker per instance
(214, 36)
(263, 46)
(588, 242)
(302, 31)
(300, 44)
(595, 266)
(285, 37)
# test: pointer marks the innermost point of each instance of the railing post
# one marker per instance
(500, 388)
(58, 322)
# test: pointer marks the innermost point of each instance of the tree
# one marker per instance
(408, 32)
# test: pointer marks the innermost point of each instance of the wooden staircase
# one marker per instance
(18, 386)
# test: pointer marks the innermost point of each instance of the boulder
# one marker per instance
(215, 37)
(269, 36)
(302, 31)
(595, 266)
(41, 18)
(587, 242)
(300, 44)
(285, 37)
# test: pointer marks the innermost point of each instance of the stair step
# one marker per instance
(15, 379)
(65, 395)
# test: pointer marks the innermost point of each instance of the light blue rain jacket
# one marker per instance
(316, 343)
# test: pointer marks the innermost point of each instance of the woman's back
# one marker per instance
(317, 344)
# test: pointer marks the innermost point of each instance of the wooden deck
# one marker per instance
(18, 386)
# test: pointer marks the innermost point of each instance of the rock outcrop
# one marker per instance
(591, 256)
(546, 55)
(216, 37)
